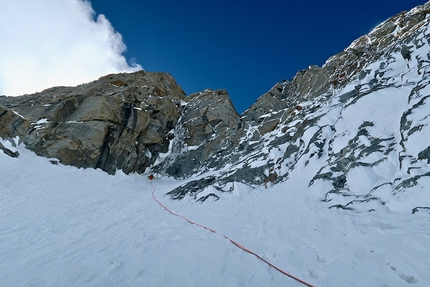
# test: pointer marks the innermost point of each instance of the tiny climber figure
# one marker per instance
(151, 177)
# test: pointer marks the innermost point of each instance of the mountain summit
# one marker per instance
(354, 131)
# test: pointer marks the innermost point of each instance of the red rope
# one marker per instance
(231, 240)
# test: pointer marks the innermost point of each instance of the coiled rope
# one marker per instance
(229, 239)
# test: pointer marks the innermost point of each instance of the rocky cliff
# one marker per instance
(117, 122)
(353, 131)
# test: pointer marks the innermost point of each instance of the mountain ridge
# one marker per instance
(328, 126)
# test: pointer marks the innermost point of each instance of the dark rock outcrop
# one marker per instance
(117, 122)
(9, 152)
(208, 129)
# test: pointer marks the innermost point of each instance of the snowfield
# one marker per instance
(63, 226)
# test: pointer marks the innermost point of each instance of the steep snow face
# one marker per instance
(365, 148)
(63, 226)
(361, 146)
(369, 140)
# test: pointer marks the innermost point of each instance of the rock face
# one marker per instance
(354, 131)
(208, 128)
(118, 122)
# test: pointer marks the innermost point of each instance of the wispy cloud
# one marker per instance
(47, 43)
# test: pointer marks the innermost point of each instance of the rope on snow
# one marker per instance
(229, 239)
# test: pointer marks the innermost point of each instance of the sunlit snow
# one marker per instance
(62, 226)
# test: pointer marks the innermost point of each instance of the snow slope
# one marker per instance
(62, 226)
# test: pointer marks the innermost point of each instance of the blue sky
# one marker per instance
(244, 47)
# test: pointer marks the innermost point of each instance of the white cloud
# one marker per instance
(47, 43)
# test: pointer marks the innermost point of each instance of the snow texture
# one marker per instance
(62, 226)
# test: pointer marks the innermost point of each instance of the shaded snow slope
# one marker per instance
(62, 226)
